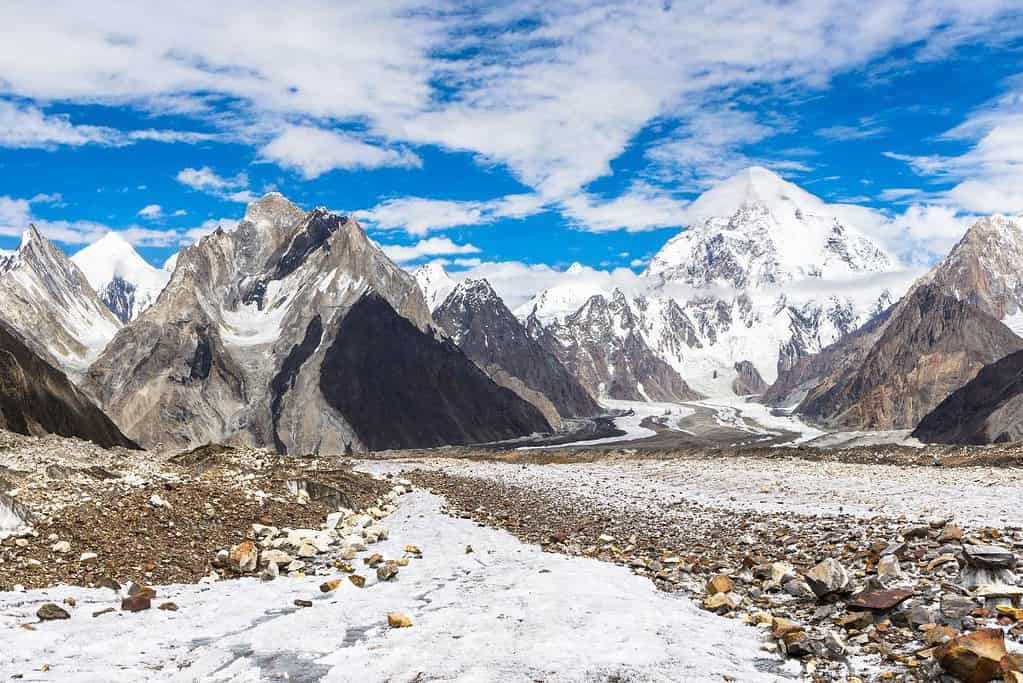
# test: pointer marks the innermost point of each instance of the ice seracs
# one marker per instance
(124, 281)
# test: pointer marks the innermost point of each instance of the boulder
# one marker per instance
(827, 578)
(52, 612)
(975, 657)
(243, 557)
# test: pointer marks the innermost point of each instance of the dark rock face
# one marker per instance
(399, 387)
(284, 380)
(931, 345)
(493, 338)
(119, 296)
(37, 399)
(988, 409)
(749, 382)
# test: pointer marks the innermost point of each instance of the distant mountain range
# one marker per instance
(296, 332)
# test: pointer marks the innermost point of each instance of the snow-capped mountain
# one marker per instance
(476, 318)
(604, 345)
(767, 273)
(965, 313)
(434, 282)
(124, 281)
(755, 230)
(295, 331)
(49, 301)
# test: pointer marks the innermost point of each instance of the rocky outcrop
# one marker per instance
(49, 301)
(37, 399)
(399, 387)
(476, 318)
(748, 382)
(931, 345)
(602, 345)
(234, 349)
(988, 409)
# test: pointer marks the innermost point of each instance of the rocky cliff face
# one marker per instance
(602, 345)
(49, 301)
(988, 409)
(38, 399)
(931, 345)
(236, 347)
(748, 381)
(476, 318)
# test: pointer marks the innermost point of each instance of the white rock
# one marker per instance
(158, 502)
(307, 550)
(356, 542)
(88, 557)
(275, 557)
(61, 547)
(296, 566)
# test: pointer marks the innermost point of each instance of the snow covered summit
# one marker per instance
(755, 230)
(124, 281)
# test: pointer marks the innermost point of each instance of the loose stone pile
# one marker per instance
(854, 599)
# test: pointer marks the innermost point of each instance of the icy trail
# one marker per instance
(505, 612)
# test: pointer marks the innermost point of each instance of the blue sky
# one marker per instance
(505, 139)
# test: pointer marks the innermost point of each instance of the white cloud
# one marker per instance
(516, 282)
(28, 126)
(421, 215)
(433, 246)
(314, 151)
(641, 208)
(866, 127)
(23, 126)
(191, 235)
(545, 88)
(207, 180)
(988, 177)
(930, 231)
(151, 212)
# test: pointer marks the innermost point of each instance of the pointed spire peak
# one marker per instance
(480, 287)
(30, 235)
(575, 269)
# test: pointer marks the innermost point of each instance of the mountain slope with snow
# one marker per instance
(434, 282)
(954, 320)
(767, 274)
(245, 344)
(124, 281)
(49, 301)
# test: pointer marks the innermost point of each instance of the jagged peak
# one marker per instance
(31, 234)
(272, 206)
(477, 287)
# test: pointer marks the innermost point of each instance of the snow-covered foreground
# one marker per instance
(504, 612)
